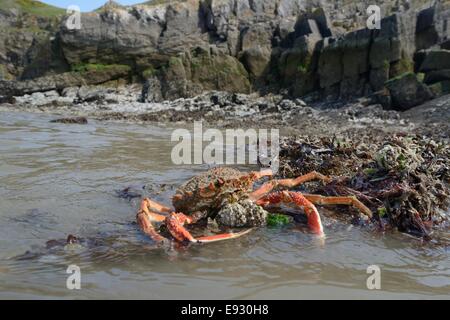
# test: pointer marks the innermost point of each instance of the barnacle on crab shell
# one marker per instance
(243, 213)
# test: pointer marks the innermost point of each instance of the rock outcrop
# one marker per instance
(28, 43)
(63, 80)
(317, 48)
(407, 91)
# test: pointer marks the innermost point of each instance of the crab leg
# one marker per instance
(146, 217)
(175, 223)
(296, 199)
(263, 173)
(153, 205)
(223, 236)
(348, 200)
(145, 222)
(288, 183)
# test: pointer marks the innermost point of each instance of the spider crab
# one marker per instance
(207, 193)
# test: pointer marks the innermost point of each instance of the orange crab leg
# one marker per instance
(263, 173)
(145, 222)
(288, 183)
(153, 205)
(146, 217)
(223, 236)
(175, 223)
(298, 200)
(348, 200)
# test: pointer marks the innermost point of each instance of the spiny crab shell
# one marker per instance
(221, 193)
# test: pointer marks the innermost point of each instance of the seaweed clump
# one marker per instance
(403, 179)
(278, 220)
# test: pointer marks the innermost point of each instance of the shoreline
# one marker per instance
(397, 163)
(227, 110)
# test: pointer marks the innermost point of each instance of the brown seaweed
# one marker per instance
(403, 179)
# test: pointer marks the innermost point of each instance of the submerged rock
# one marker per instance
(131, 192)
(75, 120)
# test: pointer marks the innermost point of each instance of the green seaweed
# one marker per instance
(382, 212)
(149, 72)
(370, 171)
(85, 67)
(278, 220)
(399, 77)
(304, 67)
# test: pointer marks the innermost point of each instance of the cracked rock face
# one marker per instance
(244, 213)
(183, 48)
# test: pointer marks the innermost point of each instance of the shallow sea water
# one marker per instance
(58, 179)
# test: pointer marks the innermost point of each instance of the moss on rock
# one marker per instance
(404, 65)
(85, 67)
(193, 72)
(149, 72)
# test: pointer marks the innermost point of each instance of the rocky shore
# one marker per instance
(160, 60)
(317, 50)
(223, 109)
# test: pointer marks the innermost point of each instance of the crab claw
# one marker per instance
(296, 199)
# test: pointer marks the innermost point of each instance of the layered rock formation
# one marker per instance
(28, 46)
(298, 47)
